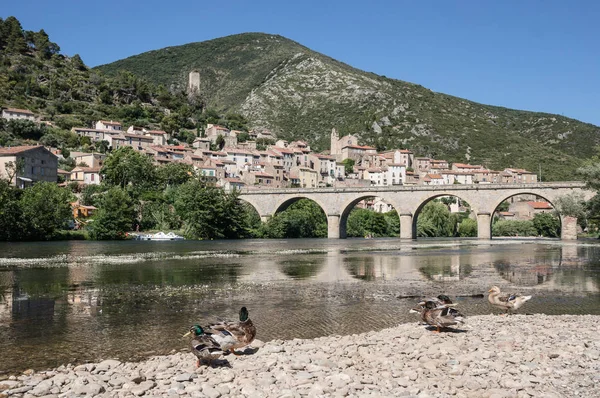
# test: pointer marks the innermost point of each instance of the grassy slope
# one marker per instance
(298, 93)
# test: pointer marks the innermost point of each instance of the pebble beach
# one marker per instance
(490, 356)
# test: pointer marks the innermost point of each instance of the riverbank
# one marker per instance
(492, 356)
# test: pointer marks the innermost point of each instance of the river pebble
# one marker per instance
(490, 357)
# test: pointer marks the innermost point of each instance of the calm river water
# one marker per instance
(74, 302)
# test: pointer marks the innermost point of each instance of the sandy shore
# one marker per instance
(493, 356)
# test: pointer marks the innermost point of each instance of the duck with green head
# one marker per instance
(203, 345)
(242, 331)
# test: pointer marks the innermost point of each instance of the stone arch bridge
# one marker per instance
(409, 200)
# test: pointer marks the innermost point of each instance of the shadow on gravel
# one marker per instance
(246, 351)
(446, 330)
(220, 363)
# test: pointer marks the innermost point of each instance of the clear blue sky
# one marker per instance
(541, 55)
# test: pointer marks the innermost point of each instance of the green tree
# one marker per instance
(434, 221)
(220, 142)
(546, 224)
(125, 166)
(10, 212)
(348, 165)
(513, 228)
(175, 173)
(45, 208)
(78, 63)
(467, 228)
(302, 219)
(209, 212)
(363, 222)
(115, 216)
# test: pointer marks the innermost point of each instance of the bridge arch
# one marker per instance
(504, 198)
(287, 202)
(349, 205)
(429, 198)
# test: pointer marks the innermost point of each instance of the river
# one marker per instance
(81, 301)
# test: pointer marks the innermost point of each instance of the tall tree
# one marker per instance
(125, 166)
(45, 209)
(115, 216)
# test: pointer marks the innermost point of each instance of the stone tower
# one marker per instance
(194, 82)
(335, 138)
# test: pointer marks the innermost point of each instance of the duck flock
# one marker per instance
(210, 342)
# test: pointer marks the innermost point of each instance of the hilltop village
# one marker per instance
(235, 159)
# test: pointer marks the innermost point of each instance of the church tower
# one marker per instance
(335, 139)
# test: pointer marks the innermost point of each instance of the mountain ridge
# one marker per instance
(297, 93)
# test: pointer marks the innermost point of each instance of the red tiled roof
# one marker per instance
(467, 166)
(540, 205)
(13, 150)
(86, 169)
(261, 174)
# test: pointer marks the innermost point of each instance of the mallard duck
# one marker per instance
(507, 302)
(242, 331)
(203, 345)
(440, 316)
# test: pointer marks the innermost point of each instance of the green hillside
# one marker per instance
(295, 92)
(61, 89)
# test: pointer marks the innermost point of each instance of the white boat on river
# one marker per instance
(160, 236)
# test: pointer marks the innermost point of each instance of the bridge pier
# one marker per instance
(484, 225)
(265, 218)
(333, 227)
(406, 226)
(568, 229)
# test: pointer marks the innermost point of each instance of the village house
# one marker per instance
(108, 125)
(94, 160)
(456, 177)
(517, 176)
(160, 137)
(466, 167)
(325, 166)
(86, 175)
(95, 135)
(239, 157)
(485, 176)
(412, 178)
(287, 157)
(18, 114)
(63, 174)
(381, 206)
(230, 184)
(137, 142)
(399, 156)
(433, 179)
(438, 165)
(422, 165)
(201, 143)
(528, 210)
(396, 173)
(377, 176)
(82, 211)
(32, 164)
(356, 152)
